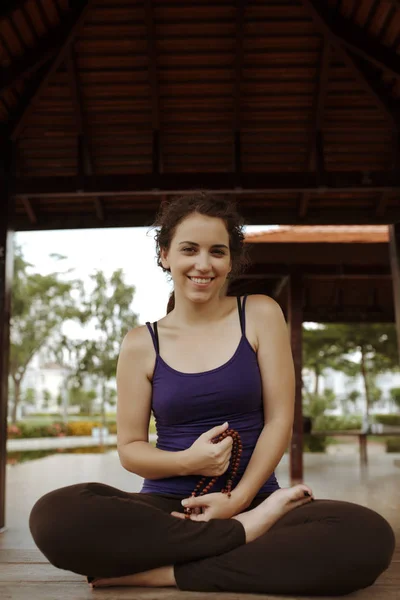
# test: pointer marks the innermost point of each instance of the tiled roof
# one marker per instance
(332, 234)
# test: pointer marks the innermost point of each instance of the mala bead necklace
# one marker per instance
(201, 488)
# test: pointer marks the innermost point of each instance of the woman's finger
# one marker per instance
(178, 514)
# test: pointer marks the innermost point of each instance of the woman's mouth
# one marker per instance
(201, 281)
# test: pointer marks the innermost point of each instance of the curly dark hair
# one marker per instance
(172, 213)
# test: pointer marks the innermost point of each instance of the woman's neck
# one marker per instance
(197, 314)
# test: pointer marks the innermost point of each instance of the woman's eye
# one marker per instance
(221, 252)
(187, 249)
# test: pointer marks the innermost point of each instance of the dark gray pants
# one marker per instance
(323, 548)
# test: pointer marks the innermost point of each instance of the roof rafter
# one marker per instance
(315, 157)
(29, 209)
(36, 87)
(353, 37)
(329, 27)
(9, 6)
(32, 60)
(85, 161)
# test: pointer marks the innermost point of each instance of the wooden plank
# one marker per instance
(35, 572)
(22, 556)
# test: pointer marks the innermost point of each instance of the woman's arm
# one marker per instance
(136, 454)
(278, 385)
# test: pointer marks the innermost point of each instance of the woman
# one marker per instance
(213, 362)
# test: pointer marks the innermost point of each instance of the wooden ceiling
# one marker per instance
(110, 106)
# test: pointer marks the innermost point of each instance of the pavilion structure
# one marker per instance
(328, 274)
(108, 107)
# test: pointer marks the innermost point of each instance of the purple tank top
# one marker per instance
(185, 405)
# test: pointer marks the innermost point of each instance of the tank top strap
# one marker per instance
(154, 336)
(242, 313)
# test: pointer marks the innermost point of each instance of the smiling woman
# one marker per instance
(215, 369)
(226, 239)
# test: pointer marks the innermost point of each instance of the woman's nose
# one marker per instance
(203, 263)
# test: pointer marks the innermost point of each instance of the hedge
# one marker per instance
(392, 420)
(59, 429)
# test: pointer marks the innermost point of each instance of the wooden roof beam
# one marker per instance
(353, 37)
(85, 158)
(33, 59)
(174, 183)
(7, 7)
(29, 210)
(345, 36)
(315, 158)
(47, 46)
(35, 88)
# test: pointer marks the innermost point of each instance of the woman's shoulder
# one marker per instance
(136, 340)
(264, 316)
(260, 303)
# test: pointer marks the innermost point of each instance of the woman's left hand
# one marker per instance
(210, 506)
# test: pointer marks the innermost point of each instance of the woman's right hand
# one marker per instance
(209, 459)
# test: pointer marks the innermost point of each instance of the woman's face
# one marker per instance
(198, 257)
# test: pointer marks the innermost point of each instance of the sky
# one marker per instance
(87, 250)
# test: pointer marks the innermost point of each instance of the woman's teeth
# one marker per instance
(198, 280)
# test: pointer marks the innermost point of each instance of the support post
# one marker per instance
(394, 250)
(295, 316)
(6, 269)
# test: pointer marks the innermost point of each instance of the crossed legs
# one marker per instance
(323, 547)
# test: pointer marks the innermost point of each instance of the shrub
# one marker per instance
(32, 430)
(334, 422)
(392, 420)
(314, 443)
(393, 444)
(81, 427)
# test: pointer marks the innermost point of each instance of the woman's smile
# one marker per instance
(201, 282)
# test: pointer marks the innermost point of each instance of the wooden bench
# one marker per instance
(362, 439)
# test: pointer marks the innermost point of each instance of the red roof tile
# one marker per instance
(332, 234)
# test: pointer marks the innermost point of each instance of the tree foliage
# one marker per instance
(40, 305)
(355, 349)
(107, 309)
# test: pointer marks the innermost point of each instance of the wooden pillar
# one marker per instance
(394, 250)
(6, 269)
(295, 317)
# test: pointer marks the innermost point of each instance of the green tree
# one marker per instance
(82, 398)
(46, 398)
(395, 396)
(320, 352)
(315, 405)
(40, 305)
(108, 311)
(29, 396)
(365, 349)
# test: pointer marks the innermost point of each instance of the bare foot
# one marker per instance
(260, 519)
(162, 577)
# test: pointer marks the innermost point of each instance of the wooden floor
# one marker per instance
(26, 575)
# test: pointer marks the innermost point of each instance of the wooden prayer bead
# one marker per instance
(232, 471)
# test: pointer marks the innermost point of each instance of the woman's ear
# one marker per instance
(164, 258)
